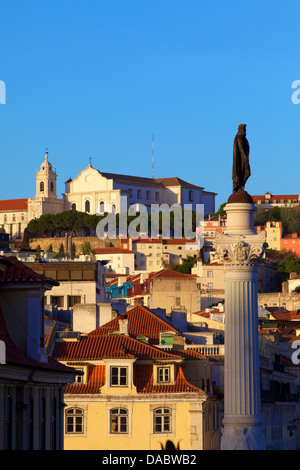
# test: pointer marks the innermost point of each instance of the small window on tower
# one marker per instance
(42, 187)
(51, 186)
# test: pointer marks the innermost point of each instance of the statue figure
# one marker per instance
(241, 168)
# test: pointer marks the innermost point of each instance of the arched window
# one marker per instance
(51, 186)
(87, 206)
(191, 195)
(101, 207)
(74, 421)
(73, 206)
(157, 196)
(162, 420)
(42, 186)
(139, 194)
(119, 421)
(148, 195)
(13, 218)
(113, 209)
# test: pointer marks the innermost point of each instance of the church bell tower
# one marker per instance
(46, 180)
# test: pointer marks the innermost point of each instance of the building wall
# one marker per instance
(171, 294)
(187, 422)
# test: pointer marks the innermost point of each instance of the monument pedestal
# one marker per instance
(240, 248)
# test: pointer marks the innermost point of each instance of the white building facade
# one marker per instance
(96, 192)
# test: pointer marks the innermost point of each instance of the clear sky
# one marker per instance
(95, 78)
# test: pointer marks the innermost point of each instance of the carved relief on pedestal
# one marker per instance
(240, 249)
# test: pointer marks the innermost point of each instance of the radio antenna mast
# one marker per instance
(152, 156)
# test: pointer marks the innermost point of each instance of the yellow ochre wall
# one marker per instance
(140, 427)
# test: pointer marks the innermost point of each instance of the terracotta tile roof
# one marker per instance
(278, 197)
(292, 315)
(93, 347)
(17, 272)
(156, 182)
(175, 181)
(95, 380)
(112, 250)
(14, 205)
(169, 273)
(141, 321)
(143, 380)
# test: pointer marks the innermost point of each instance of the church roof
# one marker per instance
(156, 182)
(14, 205)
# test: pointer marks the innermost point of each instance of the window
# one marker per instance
(74, 299)
(156, 196)
(139, 194)
(51, 187)
(119, 421)
(148, 195)
(79, 377)
(209, 273)
(73, 207)
(177, 302)
(177, 285)
(101, 207)
(163, 374)
(130, 192)
(74, 421)
(162, 420)
(41, 186)
(87, 206)
(118, 376)
(209, 287)
(58, 301)
(191, 195)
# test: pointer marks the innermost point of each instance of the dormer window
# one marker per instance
(118, 376)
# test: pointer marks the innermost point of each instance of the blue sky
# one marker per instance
(95, 78)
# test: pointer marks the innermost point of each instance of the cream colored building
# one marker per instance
(273, 234)
(153, 254)
(94, 192)
(15, 214)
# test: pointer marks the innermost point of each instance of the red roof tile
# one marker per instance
(141, 321)
(94, 347)
(16, 272)
(14, 205)
(293, 315)
(112, 250)
(143, 380)
(169, 273)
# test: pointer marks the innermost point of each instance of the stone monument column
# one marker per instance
(239, 247)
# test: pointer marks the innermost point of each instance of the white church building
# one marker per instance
(94, 192)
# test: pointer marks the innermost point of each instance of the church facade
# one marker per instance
(96, 192)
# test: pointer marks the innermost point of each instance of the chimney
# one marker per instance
(123, 326)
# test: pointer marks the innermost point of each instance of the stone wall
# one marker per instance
(57, 243)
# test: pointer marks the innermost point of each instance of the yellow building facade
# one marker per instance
(132, 395)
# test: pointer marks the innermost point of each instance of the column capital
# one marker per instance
(240, 250)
